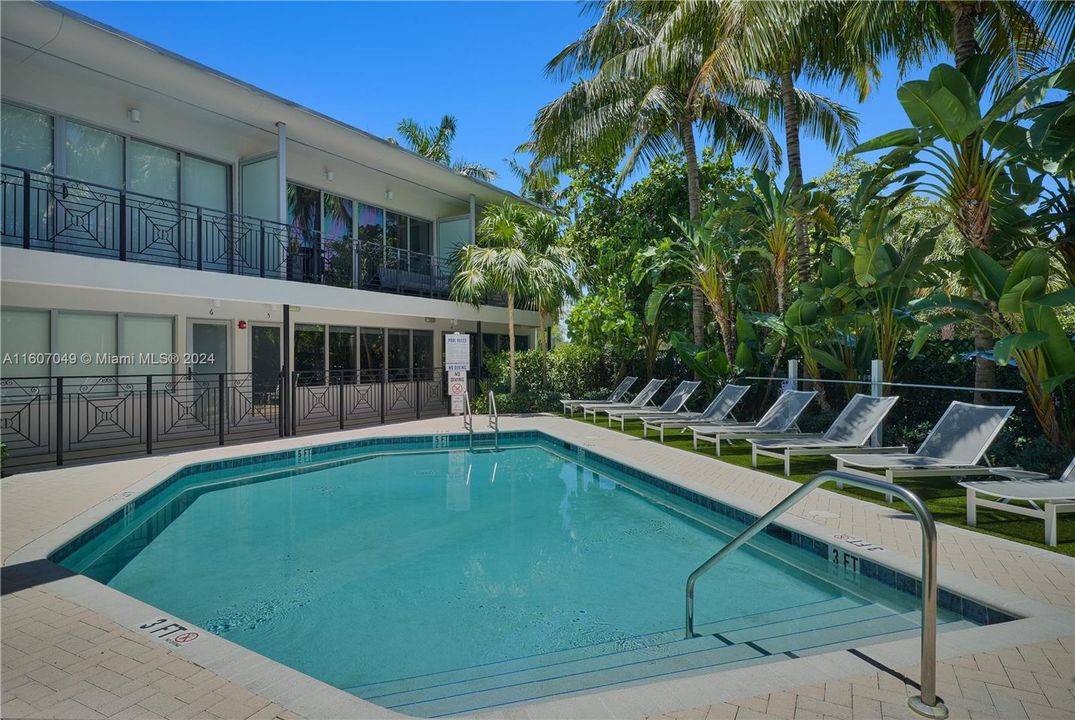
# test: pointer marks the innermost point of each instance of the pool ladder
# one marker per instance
(926, 703)
(494, 419)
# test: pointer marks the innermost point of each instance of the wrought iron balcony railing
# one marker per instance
(42, 211)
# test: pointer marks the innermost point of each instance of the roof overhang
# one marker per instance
(46, 32)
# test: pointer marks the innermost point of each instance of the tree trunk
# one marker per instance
(694, 202)
(795, 169)
(541, 328)
(726, 326)
(651, 353)
(511, 340)
(965, 18)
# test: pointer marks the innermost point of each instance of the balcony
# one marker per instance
(41, 211)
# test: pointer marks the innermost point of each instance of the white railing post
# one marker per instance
(793, 374)
(877, 389)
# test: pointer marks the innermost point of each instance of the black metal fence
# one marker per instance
(353, 398)
(48, 421)
(49, 212)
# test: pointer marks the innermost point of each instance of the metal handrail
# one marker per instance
(494, 420)
(927, 703)
(468, 418)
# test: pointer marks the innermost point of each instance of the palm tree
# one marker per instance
(1014, 38)
(1019, 38)
(632, 98)
(538, 182)
(710, 253)
(499, 262)
(784, 42)
(435, 142)
(551, 279)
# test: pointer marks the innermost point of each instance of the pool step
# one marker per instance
(591, 667)
(806, 629)
(569, 677)
(762, 619)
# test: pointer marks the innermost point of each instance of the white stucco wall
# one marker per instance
(47, 281)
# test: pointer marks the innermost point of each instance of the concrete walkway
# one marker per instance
(64, 659)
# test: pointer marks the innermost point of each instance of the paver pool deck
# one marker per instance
(68, 653)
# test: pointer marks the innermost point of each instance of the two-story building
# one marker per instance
(154, 208)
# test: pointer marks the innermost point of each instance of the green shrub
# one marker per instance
(542, 378)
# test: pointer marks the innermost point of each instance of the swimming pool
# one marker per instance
(434, 580)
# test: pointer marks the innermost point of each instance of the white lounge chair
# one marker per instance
(717, 411)
(570, 406)
(1047, 498)
(782, 416)
(672, 405)
(850, 432)
(953, 447)
(641, 400)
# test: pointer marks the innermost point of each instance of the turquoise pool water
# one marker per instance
(444, 581)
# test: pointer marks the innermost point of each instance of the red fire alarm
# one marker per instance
(242, 324)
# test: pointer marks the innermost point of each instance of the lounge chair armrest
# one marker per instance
(1014, 473)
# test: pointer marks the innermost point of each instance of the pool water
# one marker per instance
(440, 582)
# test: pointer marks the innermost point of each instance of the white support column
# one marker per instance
(877, 389)
(793, 374)
(281, 172)
(473, 222)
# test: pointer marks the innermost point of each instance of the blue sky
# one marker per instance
(372, 63)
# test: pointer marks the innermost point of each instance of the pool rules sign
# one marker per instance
(457, 362)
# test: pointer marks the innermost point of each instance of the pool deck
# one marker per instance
(72, 648)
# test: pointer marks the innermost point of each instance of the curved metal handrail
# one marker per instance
(494, 420)
(468, 418)
(927, 703)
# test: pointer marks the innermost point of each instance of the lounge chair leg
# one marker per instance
(753, 455)
(888, 497)
(717, 443)
(972, 507)
(1050, 524)
(695, 441)
(662, 433)
(787, 464)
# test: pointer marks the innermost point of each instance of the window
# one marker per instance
(369, 224)
(25, 142)
(395, 237)
(371, 355)
(25, 138)
(92, 155)
(337, 244)
(342, 351)
(422, 354)
(86, 333)
(310, 354)
(153, 170)
(24, 331)
(421, 240)
(205, 183)
(421, 246)
(399, 354)
(142, 335)
(259, 189)
(304, 213)
(452, 234)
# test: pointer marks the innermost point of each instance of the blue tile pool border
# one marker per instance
(967, 608)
